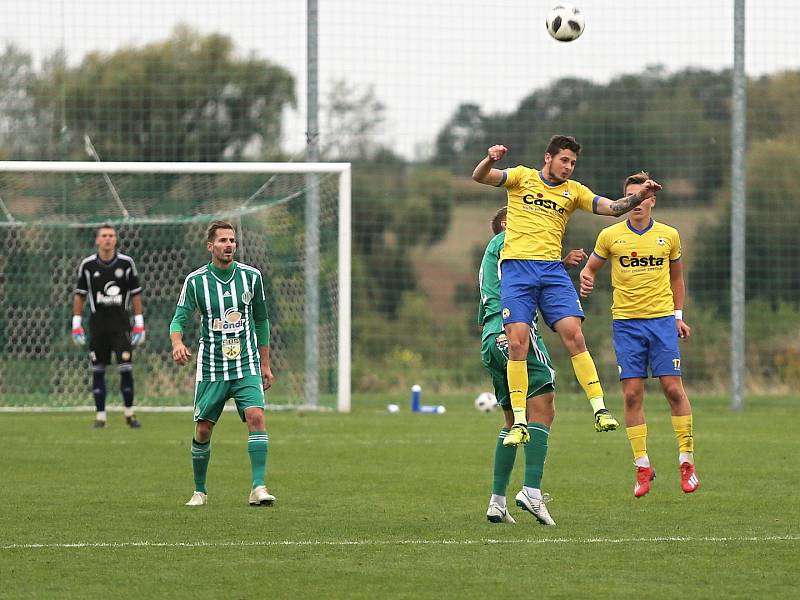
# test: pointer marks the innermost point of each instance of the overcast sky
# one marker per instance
(425, 57)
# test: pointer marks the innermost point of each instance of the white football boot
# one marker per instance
(198, 499)
(259, 496)
(498, 514)
(535, 506)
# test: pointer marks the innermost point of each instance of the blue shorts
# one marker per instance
(643, 343)
(528, 285)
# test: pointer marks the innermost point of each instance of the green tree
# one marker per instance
(187, 98)
(773, 219)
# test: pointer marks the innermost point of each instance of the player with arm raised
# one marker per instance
(533, 277)
(649, 294)
(110, 282)
(232, 355)
(540, 396)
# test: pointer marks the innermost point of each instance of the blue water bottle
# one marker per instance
(416, 397)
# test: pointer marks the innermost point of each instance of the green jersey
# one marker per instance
(489, 310)
(233, 315)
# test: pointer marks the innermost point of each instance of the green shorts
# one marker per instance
(541, 375)
(210, 397)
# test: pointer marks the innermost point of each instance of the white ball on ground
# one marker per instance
(486, 402)
(393, 408)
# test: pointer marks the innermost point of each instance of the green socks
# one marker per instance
(257, 443)
(503, 464)
(201, 454)
(536, 454)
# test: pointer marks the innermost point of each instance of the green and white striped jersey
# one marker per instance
(231, 303)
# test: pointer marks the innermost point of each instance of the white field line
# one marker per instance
(420, 542)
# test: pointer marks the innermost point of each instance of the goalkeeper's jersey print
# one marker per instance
(229, 306)
(640, 272)
(538, 211)
(108, 288)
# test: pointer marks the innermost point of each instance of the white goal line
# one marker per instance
(418, 542)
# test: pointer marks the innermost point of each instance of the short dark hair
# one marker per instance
(104, 226)
(498, 217)
(211, 232)
(563, 142)
(638, 178)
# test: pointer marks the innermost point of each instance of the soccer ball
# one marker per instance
(565, 23)
(486, 402)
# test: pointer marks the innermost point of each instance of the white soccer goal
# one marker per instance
(294, 222)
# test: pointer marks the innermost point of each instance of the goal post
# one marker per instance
(49, 212)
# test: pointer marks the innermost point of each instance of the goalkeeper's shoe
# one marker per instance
(535, 506)
(689, 479)
(603, 421)
(644, 475)
(517, 435)
(259, 496)
(198, 499)
(133, 422)
(498, 514)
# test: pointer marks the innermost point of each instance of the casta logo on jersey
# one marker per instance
(543, 203)
(641, 261)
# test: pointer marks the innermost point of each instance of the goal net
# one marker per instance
(293, 223)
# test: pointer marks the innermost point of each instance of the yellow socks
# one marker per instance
(586, 374)
(637, 436)
(683, 431)
(517, 375)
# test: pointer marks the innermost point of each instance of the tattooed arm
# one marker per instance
(615, 208)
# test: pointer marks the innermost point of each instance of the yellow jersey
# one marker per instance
(640, 262)
(538, 211)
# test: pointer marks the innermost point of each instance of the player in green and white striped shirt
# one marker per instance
(232, 357)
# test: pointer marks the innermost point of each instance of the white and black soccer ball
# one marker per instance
(486, 402)
(565, 23)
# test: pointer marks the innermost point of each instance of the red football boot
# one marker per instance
(644, 475)
(689, 480)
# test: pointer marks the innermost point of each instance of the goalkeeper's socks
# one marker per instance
(257, 447)
(126, 387)
(99, 390)
(201, 455)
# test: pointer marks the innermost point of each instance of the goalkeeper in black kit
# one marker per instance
(109, 282)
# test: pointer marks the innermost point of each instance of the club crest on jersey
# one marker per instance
(111, 295)
(506, 313)
(501, 341)
(661, 241)
(231, 323)
(119, 273)
(247, 297)
(231, 347)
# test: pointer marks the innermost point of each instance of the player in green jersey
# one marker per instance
(232, 357)
(540, 394)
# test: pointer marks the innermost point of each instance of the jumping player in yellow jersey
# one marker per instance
(539, 205)
(647, 277)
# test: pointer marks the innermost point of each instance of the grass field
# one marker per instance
(392, 506)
